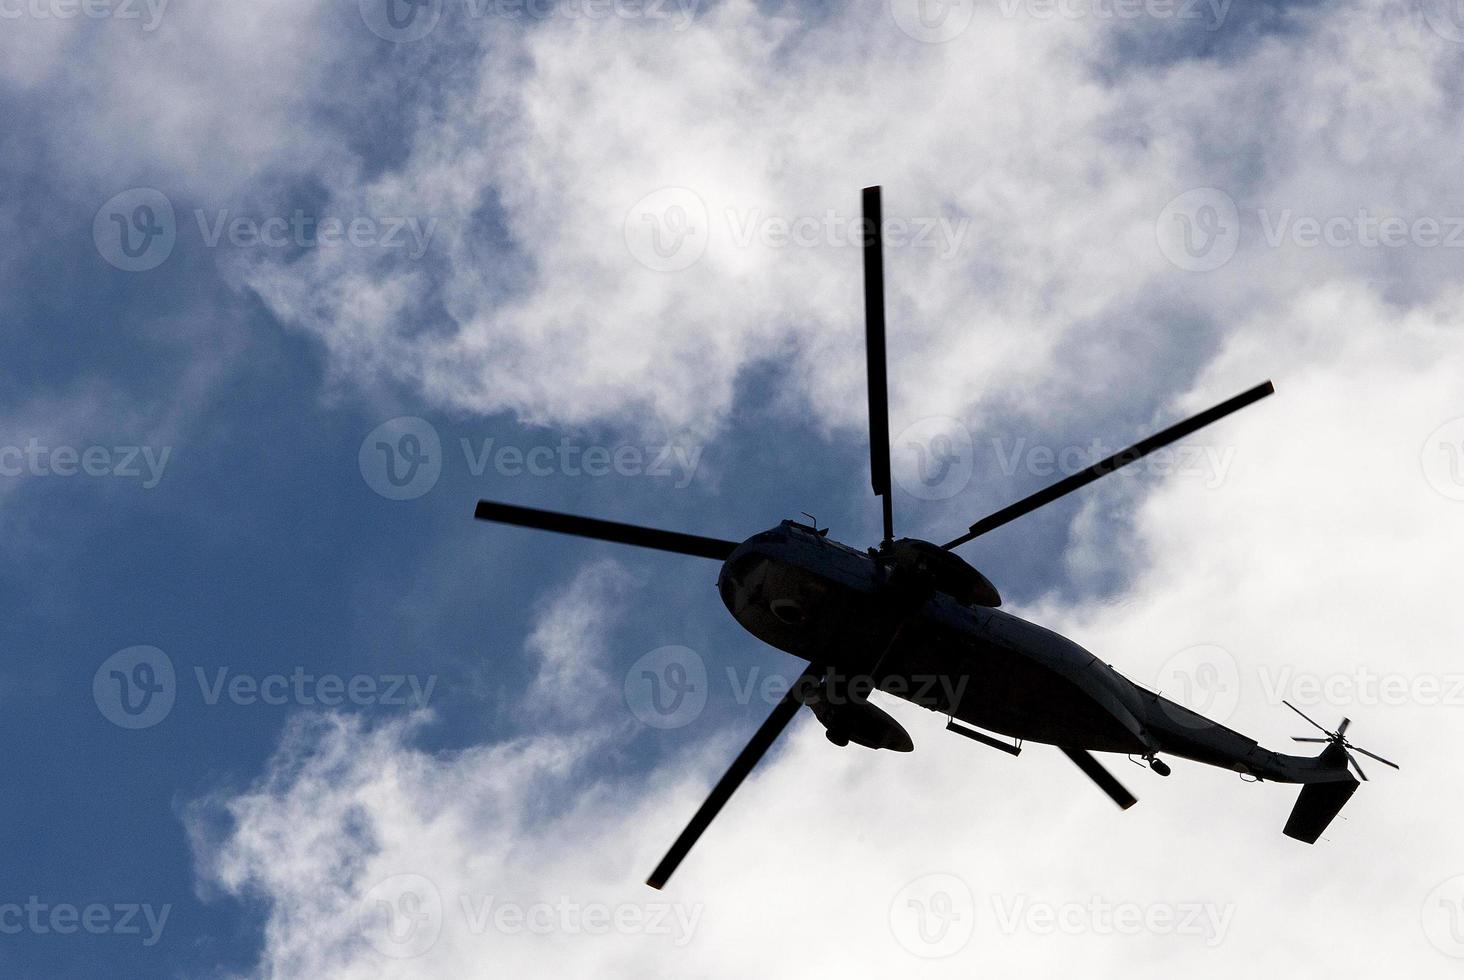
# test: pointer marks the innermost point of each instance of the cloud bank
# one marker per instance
(631, 213)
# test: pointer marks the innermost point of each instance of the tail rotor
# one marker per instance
(1339, 739)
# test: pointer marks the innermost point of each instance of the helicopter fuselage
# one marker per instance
(912, 619)
(867, 615)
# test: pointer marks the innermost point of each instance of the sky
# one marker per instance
(287, 286)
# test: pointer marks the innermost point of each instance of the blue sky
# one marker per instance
(505, 177)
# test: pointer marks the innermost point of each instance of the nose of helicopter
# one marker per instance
(764, 546)
(788, 583)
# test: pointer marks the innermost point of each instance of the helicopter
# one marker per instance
(888, 616)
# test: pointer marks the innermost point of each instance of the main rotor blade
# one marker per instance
(1084, 760)
(589, 527)
(741, 766)
(874, 356)
(1379, 758)
(1120, 459)
(1298, 738)
(1308, 720)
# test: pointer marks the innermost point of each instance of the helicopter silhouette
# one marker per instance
(897, 616)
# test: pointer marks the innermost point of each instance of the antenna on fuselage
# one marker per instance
(871, 229)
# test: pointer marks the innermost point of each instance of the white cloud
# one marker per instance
(46, 437)
(760, 128)
(1325, 549)
(198, 98)
(1048, 164)
(1048, 159)
(568, 642)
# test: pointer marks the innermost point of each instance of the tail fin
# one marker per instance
(1315, 808)
(1319, 803)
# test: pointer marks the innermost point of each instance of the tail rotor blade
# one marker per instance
(874, 356)
(741, 766)
(590, 527)
(1135, 452)
(1094, 769)
(1360, 774)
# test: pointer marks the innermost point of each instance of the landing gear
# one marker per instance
(837, 737)
(1159, 766)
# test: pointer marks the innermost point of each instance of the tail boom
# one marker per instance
(1326, 782)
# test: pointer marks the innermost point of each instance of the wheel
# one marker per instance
(1162, 768)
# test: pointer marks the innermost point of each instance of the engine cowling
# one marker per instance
(942, 570)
